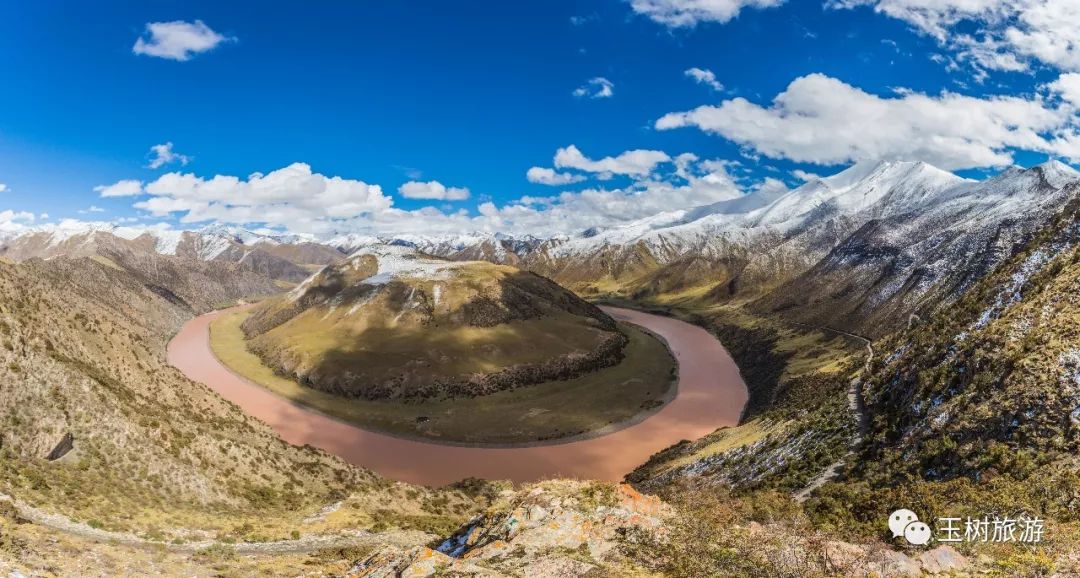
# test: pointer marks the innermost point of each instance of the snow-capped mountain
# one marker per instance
(498, 248)
(904, 263)
(867, 189)
(276, 256)
(874, 242)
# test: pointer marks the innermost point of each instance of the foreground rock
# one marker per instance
(552, 529)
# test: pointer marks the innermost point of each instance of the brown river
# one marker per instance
(711, 394)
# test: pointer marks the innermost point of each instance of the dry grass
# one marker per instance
(528, 414)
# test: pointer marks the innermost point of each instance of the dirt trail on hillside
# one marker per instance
(858, 406)
(711, 394)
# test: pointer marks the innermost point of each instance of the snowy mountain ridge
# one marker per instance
(875, 189)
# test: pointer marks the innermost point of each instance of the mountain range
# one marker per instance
(863, 249)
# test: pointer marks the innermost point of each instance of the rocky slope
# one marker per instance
(971, 409)
(918, 260)
(99, 428)
(391, 323)
(287, 259)
(986, 390)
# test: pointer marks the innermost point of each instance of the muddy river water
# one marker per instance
(711, 394)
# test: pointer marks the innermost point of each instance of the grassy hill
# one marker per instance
(642, 382)
(394, 324)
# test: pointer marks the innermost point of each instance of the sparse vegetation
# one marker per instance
(155, 455)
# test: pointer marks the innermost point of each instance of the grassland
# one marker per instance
(382, 352)
(643, 382)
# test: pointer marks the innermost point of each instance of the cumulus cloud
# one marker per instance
(297, 199)
(293, 197)
(432, 190)
(598, 87)
(546, 176)
(15, 221)
(177, 40)
(1067, 86)
(163, 154)
(3, 188)
(993, 34)
(123, 188)
(822, 120)
(704, 76)
(566, 213)
(10, 215)
(634, 163)
(805, 175)
(688, 13)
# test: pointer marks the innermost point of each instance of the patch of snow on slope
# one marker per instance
(210, 246)
(396, 262)
(298, 291)
(168, 242)
(1011, 293)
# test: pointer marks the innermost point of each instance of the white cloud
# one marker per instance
(598, 87)
(819, 119)
(633, 163)
(177, 40)
(10, 215)
(163, 154)
(546, 176)
(293, 197)
(704, 76)
(91, 209)
(1067, 86)
(688, 13)
(296, 199)
(805, 175)
(566, 213)
(123, 188)
(432, 190)
(770, 187)
(14, 221)
(993, 34)
(3, 188)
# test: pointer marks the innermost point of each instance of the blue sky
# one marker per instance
(474, 94)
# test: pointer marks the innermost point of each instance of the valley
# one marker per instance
(710, 393)
(578, 289)
(348, 406)
(549, 412)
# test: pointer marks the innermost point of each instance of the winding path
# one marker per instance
(711, 394)
(857, 403)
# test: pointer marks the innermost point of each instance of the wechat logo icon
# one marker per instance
(906, 523)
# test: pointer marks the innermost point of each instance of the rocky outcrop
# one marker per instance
(65, 445)
(556, 528)
(569, 528)
(416, 563)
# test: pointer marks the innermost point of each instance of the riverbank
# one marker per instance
(711, 394)
(598, 403)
